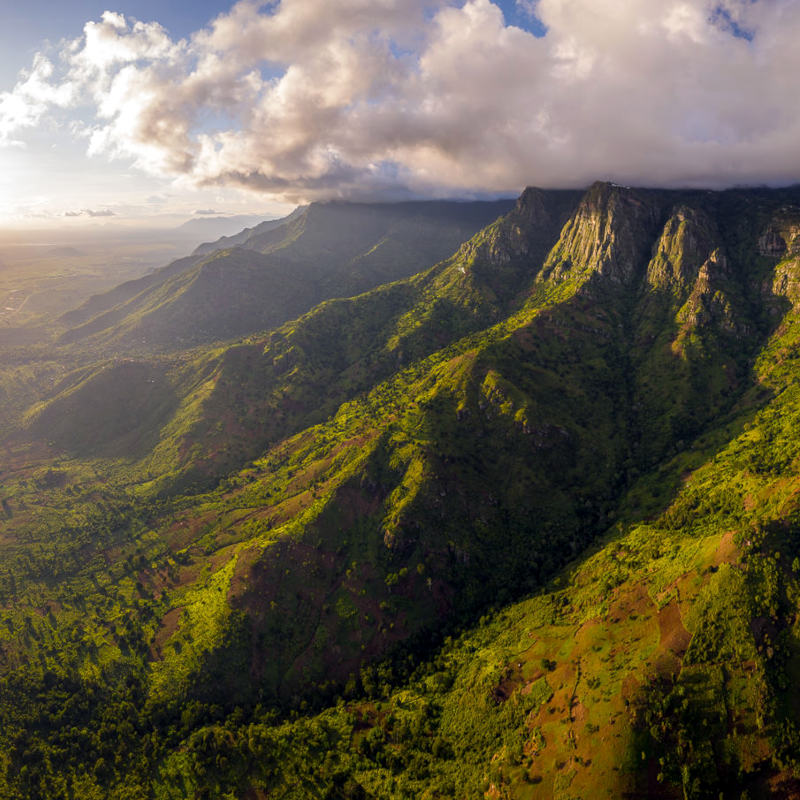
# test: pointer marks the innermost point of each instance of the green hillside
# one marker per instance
(235, 401)
(274, 272)
(521, 525)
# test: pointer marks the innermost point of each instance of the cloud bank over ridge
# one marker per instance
(306, 99)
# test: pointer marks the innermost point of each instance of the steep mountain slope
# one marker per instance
(233, 403)
(220, 226)
(591, 403)
(240, 239)
(547, 397)
(101, 304)
(276, 272)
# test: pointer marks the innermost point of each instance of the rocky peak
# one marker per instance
(687, 241)
(526, 232)
(600, 193)
(715, 267)
(521, 227)
(531, 206)
(713, 299)
(608, 236)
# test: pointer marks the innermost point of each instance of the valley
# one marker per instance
(415, 500)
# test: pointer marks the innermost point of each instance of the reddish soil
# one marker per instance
(156, 581)
(727, 552)
(319, 467)
(508, 683)
(630, 687)
(254, 794)
(221, 557)
(673, 635)
(188, 574)
(245, 563)
(169, 624)
(181, 533)
(784, 786)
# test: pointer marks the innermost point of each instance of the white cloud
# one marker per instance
(31, 98)
(89, 212)
(307, 98)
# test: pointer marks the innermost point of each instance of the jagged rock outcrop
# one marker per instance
(771, 243)
(781, 237)
(710, 302)
(392, 465)
(786, 281)
(609, 236)
(534, 219)
(685, 244)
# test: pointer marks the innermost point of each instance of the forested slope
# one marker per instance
(523, 525)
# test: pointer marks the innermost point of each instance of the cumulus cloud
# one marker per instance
(304, 99)
(30, 99)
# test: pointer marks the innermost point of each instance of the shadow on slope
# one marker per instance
(116, 412)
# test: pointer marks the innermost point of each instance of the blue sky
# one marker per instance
(298, 100)
(40, 26)
(35, 26)
(26, 25)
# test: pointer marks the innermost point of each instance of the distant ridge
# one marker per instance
(239, 239)
(277, 270)
(64, 252)
(216, 226)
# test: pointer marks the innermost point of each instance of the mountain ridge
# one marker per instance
(279, 270)
(572, 441)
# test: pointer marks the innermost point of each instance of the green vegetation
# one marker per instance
(274, 273)
(522, 525)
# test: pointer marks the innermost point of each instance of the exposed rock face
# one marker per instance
(786, 282)
(646, 309)
(781, 240)
(533, 224)
(685, 244)
(709, 302)
(609, 236)
(771, 243)
(781, 237)
(500, 264)
(517, 236)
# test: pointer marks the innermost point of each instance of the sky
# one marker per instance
(144, 110)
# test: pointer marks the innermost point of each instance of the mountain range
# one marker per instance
(209, 225)
(274, 272)
(416, 500)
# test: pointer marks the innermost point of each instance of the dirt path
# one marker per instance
(8, 311)
(21, 305)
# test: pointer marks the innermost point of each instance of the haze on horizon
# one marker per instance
(258, 106)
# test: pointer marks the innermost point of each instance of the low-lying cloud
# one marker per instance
(303, 99)
(89, 212)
